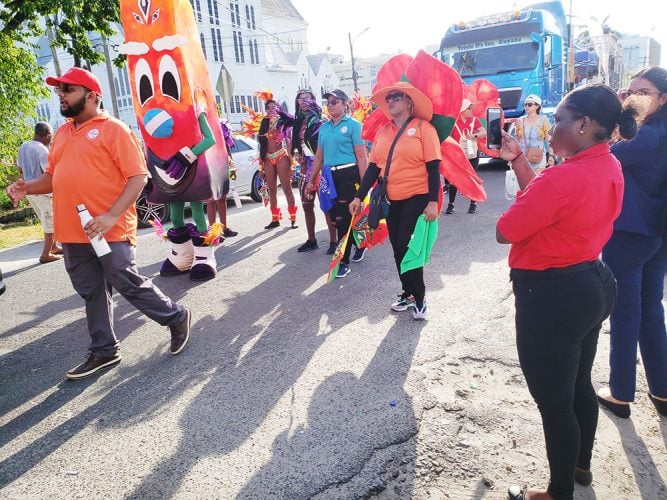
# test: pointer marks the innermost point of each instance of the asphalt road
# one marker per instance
(289, 388)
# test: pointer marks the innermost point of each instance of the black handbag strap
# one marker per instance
(385, 177)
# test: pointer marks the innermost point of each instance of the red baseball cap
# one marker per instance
(77, 76)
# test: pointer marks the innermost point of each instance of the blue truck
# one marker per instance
(522, 52)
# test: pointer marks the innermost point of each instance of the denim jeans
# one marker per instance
(346, 181)
(559, 313)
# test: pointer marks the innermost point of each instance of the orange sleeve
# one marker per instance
(430, 142)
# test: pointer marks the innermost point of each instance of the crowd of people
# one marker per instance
(587, 236)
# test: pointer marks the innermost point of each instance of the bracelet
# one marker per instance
(514, 159)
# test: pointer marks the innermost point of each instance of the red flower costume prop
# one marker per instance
(176, 113)
(444, 88)
(483, 95)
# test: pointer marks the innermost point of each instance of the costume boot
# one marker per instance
(182, 254)
(292, 215)
(204, 265)
(276, 215)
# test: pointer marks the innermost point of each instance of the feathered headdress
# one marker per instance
(361, 107)
(264, 95)
(250, 126)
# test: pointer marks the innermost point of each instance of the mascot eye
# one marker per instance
(143, 80)
(156, 15)
(170, 80)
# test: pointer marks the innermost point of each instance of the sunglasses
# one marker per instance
(66, 88)
(333, 102)
(624, 94)
(530, 104)
(394, 97)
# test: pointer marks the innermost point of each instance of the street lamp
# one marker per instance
(354, 70)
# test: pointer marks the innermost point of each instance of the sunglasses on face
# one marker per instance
(333, 102)
(394, 97)
(530, 104)
(66, 88)
(641, 92)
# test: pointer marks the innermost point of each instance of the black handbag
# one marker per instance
(379, 204)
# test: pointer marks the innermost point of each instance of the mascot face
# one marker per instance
(166, 65)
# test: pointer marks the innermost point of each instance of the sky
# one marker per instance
(410, 25)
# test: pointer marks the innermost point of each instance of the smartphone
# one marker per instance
(494, 139)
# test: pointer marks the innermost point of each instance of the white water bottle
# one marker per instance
(100, 246)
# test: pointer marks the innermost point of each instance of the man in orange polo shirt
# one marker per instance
(96, 161)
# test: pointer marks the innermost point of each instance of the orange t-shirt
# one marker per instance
(417, 145)
(90, 165)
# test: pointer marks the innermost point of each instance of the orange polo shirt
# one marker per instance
(90, 165)
(417, 145)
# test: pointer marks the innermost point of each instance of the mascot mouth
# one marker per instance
(168, 185)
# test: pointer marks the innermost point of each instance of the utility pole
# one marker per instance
(51, 35)
(112, 83)
(354, 70)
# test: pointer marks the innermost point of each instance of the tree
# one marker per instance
(21, 88)
(72, 21)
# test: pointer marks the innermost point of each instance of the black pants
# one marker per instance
(451, 188)
(403, 215)
(559, 313)
(346, 181)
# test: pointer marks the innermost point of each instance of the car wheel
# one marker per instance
(147, 211)
(254, 188)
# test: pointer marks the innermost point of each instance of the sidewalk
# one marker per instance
(21, 257)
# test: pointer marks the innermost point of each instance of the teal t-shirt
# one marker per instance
(338, 141)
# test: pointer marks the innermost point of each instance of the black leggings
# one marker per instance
(401, 222)
(451, 188)
(346, 182)
(559, 313)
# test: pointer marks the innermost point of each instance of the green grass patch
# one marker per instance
(18, 233)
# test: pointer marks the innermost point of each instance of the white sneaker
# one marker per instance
(419, 314)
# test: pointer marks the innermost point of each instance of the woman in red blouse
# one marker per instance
(557, 227)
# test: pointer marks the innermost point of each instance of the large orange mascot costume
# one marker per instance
(177, 116)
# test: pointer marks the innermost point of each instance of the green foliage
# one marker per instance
(21, 88)
(72, 21)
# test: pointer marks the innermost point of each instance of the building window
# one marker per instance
(216, 37)
(220, 104)
(243, 101)
(196, 6)
(252, 16)
(257, 106)
(236, 105)
(203, 44)
(234, 11)
(236, 46)
(247, 16)
(213, 15)
(256, 52)
(240, 35)
(252, 52)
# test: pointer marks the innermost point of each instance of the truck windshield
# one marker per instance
(478, 62)
(491, 50)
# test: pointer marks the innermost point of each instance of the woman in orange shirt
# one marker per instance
(413, 185)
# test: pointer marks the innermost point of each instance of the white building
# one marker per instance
(366, 68)
(639, 52)
(260, 43)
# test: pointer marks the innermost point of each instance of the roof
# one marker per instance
(280, 8)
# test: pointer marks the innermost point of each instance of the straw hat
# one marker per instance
(422, 107)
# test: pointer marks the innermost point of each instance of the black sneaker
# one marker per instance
(332, 248)
(228, 233)
(180, 333)
(308, 245)
(472, 208)
(450, 209)
(93, 364)
(358, 255)
(2, 284)
(273, 224)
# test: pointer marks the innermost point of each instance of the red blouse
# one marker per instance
(565, 215)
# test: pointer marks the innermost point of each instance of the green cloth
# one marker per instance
(421, 243)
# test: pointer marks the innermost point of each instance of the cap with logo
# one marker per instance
(77, 76)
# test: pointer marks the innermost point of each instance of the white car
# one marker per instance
(246, 158)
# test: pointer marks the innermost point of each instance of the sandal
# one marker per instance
(49, 258)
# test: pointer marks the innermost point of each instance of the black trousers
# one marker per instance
(346, 182)
(559, 313)
(403, 215)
